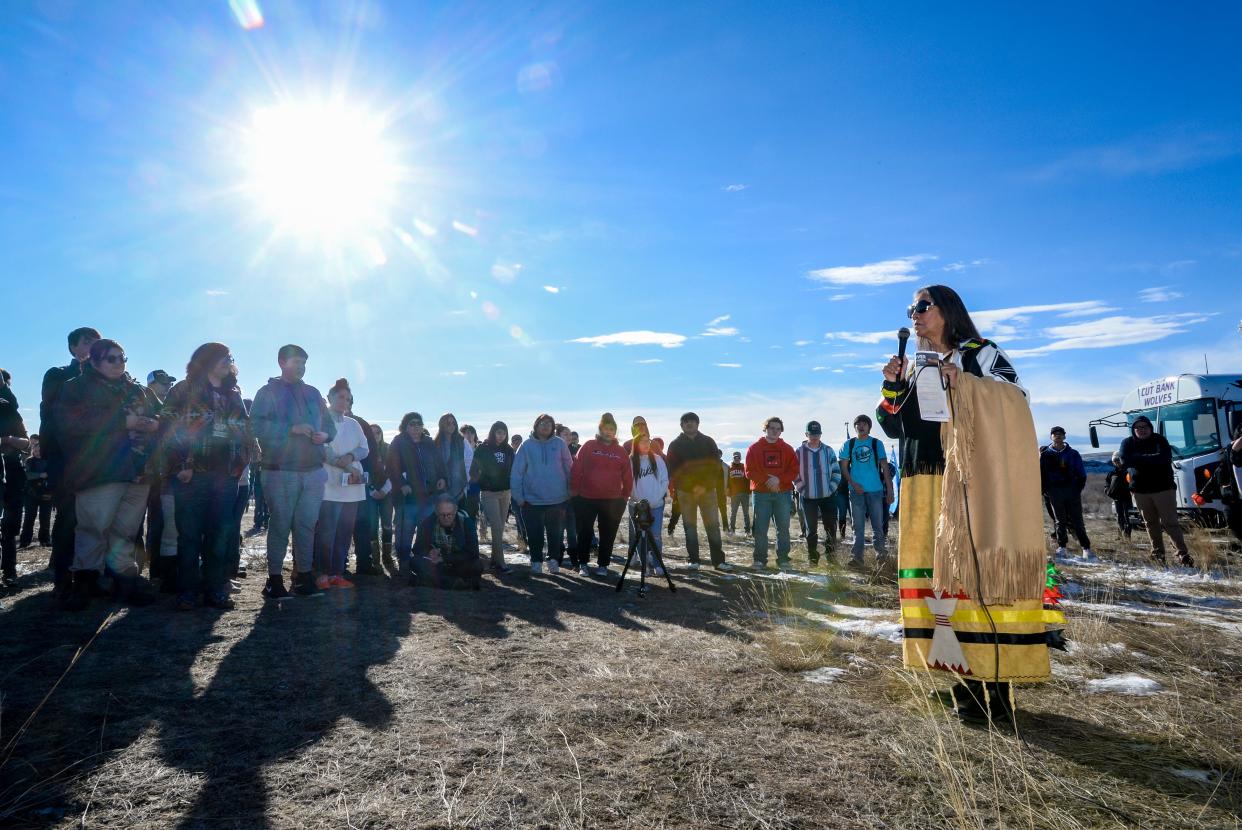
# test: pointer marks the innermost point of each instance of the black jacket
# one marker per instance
(694, 462)
(89, 417)
(492, 466)
(53, 381)
(1150, 463)
(419, 466)
(1116, 487)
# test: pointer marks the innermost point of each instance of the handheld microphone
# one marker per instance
(903, 334)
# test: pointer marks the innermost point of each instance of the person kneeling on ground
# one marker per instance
(446, 552)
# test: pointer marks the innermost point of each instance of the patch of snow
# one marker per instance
(827, 674)
(856, 627)
(1125, 684)
(782, 576)
(1199, 776)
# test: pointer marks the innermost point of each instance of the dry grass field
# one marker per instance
(740, 701)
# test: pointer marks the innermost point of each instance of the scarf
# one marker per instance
(990, 533)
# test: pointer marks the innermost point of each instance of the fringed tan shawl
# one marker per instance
(989, 444)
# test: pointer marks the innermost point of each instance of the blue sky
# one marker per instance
(747, 193)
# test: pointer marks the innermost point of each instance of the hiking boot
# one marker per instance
(186, 602)
(1186, 560)
(275, 588)
(584, 570)
(78, 596)
(724, 566)
(388, 561)
(1061, 552)
(500, 569)
(305, 585)
(93, 587)
(536, 567)
(554, 567)
(369, 570)
(133, 591)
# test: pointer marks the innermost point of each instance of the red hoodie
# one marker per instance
(602, 471)
(776, 459)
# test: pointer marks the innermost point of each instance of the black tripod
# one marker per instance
(643, 544)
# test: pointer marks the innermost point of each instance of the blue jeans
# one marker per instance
(772, 507)
(293, 499)
(333, 534)
(232, 542)
(203, 510)
(409, 515)
(544, 520)
(864, 505)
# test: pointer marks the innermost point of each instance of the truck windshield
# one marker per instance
(1190, 427)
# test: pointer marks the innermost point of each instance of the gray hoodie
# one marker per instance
(541, 472)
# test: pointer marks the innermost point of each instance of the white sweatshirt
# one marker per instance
(650, 484)
(349, 440)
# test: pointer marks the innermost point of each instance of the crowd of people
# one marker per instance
(184, 459)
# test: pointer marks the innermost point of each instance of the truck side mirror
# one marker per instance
(1095, 438)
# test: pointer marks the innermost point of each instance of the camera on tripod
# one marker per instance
(643, 517)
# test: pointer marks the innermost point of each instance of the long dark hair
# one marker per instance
(442, 436)
(492, 441)
(204, 359)
(534, 428)
(636, 458)
(958, 326)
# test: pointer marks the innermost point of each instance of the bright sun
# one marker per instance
(321, 172)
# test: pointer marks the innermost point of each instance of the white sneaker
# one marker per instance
(1087, 554)
(554, 567)
(536, 567)
(1061, 552)
(584, 571)
(693, 566)
(601, 572)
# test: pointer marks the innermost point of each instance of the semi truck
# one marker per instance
(1197, 414)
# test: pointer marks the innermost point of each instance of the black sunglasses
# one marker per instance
(115, 358)
(919, 308)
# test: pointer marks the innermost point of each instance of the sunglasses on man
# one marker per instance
(919, 308)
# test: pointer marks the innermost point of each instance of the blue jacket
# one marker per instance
(541, 472)
(1061, 469)
(278, 408)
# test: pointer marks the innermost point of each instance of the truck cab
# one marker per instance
(1197, 414)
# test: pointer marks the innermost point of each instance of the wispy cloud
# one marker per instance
(728, 365)
(506, 271)
(1011, 322)
(650, 360)
(735, 188)
(552, 289)
(720, 331)
(887, 272)
(1159, 294)
(216, 292)
(803, 342)
(1144, 156)
(1107, 332)
(956, 267)
(718, 320)
(836, 298)
(634, 338)
(462, 227)
(456, 374)
(429, 230)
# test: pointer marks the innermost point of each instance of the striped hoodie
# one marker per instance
(819, 474)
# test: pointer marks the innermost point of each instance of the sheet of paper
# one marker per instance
(933, 401)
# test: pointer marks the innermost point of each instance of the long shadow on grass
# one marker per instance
(1126, 755)
(134, 673)
(553, 602)
(301, 668)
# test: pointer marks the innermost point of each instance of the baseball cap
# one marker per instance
(160, 376)
(813, 428)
